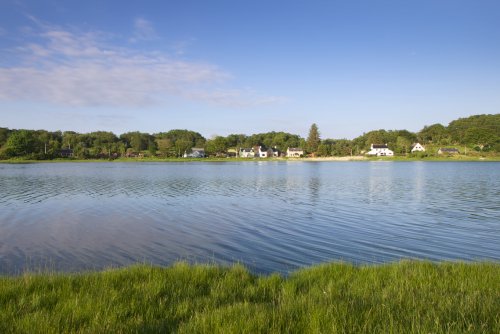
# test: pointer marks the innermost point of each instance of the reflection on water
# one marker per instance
(271, 216)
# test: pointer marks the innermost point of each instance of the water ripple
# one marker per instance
(270, 216)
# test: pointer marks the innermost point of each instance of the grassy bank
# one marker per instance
(405, 297)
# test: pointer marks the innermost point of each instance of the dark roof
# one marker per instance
(444, 149)
(380, 146)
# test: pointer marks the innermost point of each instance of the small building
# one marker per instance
(444, 150)
(273, 152)
(380, 150)
(195, 153)
(293, 152)
(262, 152)
(417, 148)
(247, 153)
(66, 153)
(232, 153)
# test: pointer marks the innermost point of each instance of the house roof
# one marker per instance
(294, 149)
(444, 149)
(379, 146)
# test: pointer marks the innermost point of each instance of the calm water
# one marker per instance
(271, 216)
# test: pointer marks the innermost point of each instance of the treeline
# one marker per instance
(480, 133)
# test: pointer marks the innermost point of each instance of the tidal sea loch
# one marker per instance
(244, 246)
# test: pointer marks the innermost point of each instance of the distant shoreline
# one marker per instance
(315, 159)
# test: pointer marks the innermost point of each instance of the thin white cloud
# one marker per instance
(143, 31)
(71, 68)
(180, 47)
(236, 98)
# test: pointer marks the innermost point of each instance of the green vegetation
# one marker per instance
(313, 139)
(405, 297)
(477, 135)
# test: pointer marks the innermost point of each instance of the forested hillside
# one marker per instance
(479, 133)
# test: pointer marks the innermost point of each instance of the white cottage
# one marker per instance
(261, 152)
(195, 153)
(247, 153)
(417, 148)
(380, 150)
(292, 152)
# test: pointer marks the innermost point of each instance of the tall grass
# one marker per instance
(405, 297)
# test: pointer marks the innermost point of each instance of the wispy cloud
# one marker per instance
(180, 47)
(74, 68)
(143, 31)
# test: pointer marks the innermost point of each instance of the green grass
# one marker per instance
(405, 297)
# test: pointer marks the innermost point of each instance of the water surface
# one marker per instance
(271, 216)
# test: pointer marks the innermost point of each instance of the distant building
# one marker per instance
(380, 150)
(232, 153)
(273, 152)
(195, 153)
(293, 152)
(66, 153)
(417, 148)
(262, 152)
(247, 153)
(444, 150)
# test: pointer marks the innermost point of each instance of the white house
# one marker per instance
(247, 153)
(293, 152)
(380, 150)
(417, 148)
(274, 152)
(195, 153)
(262, 153)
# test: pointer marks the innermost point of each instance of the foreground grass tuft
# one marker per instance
(405, 297)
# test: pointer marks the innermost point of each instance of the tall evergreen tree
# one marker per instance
(313, 139)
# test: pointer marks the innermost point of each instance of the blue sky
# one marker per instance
(221, 67)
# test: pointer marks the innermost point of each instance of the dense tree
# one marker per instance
(313, 139)
(433, 134)
(342, 147)
(165, 147)
(179, 141)
(323, 150)
(139, 141)
(4, 135)
(480, 138)
(403, 145)
(21, 143)
(236, 140)
(216, 146)
(280, 140)
(480, 131)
